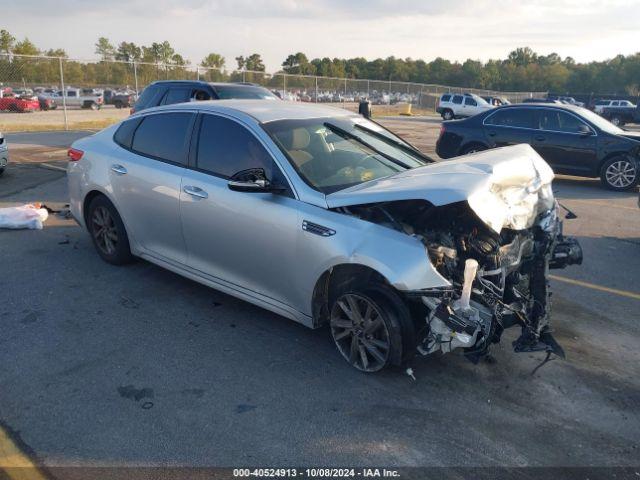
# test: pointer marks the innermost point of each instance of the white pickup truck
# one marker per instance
(83, 97)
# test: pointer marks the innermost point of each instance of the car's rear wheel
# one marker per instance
(616, 120)
(447, 115)
(620, 173)
(107, 232)
(118, 104)
(367, 329)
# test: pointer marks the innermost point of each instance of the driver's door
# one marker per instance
(247, 239)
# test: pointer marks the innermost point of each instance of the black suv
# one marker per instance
(168, 92)
(573, 140)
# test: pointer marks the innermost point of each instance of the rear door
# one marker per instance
(508, 126)
(560, 142)
(469, 107)
(456, 106)
(246, 239)
(146, 180)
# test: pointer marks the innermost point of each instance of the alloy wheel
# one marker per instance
(360, 332)
(104, 230)
(620, 174)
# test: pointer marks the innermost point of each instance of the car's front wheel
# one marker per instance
(107, 232)
(367, 329)
(620, 173)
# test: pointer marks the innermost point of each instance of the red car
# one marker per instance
(18, 104)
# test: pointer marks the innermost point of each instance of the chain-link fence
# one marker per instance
(67, 93)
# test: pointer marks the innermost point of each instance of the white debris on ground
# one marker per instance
(29, 216)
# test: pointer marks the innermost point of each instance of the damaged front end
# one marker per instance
(496, 249)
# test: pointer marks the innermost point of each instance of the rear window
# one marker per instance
(124, 134)
(511, 117)
(457, 99)
(164, 136)
(243, 91)
(445, 98)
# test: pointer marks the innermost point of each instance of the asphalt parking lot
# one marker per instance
(135, 365)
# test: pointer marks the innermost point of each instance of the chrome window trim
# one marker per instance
(595, 133)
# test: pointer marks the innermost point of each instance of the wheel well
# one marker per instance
(607, 158)
(472, 143)
(87, 201)
(335, 280)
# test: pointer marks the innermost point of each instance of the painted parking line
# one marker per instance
(53, 167)
(593, 286)
(14, 463)
(603, 204)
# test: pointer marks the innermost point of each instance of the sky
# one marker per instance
(421, 29)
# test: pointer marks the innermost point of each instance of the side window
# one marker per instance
(176, 95)
(445, 98)
(559, 121)
(457, 99)
(149, 97)
(164, 136)
(615, 104)
(225, 148)
(124, 134)
(199, 95)
(511, 117)
(470, 101)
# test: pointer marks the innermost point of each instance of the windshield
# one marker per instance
(226, 92)
(600, 122)
(331, 154)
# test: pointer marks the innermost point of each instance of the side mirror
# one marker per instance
(253, 180)
(585, 131)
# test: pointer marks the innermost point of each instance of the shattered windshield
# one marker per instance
(331, 154)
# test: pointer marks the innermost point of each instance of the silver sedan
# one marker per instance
(329, 219)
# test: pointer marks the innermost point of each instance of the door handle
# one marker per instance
(492, 134)
(119, 169)
(195, 191)
(540, 139)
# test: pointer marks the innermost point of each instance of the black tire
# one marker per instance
(472, 148)
(620, 173)
(447, 114)
(107, 232)
(616, 120)
(379, 335)
(2, 171)
(118, 104)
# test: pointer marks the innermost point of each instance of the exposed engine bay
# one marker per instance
(498, 276)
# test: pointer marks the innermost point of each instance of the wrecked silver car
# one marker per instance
(329, 219)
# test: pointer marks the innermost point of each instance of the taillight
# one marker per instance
(74, 154)
(442, 130)
(132, 111)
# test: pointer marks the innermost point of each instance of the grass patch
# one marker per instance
(49, 127)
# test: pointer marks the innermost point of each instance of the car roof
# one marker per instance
(262, 110)
(203, 83)
(561, 106)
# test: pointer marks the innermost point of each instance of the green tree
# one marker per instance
(104, 49)
(25, 47)
(7, 41)
(213, 60)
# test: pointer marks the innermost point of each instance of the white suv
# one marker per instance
(600, 105)
(453, 106)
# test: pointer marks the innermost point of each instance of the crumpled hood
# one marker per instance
(506, 187)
